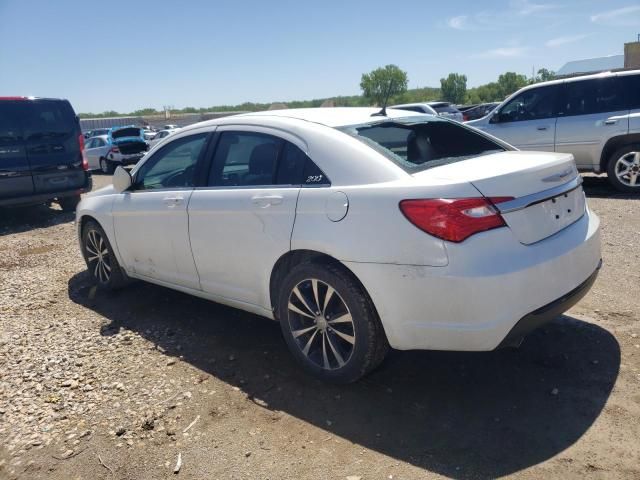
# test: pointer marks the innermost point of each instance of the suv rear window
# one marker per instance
(419, 145)
(48, 119)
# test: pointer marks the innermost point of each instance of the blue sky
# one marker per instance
(125, 55)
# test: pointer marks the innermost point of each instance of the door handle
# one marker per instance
(542, 128)
(173, 201)
(266, 200)
(611, 121)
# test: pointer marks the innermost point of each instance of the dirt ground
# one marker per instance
(118, 386)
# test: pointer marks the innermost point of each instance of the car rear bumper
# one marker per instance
(491, 284)
(39, 198)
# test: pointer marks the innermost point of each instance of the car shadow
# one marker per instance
(24, 219)
(599, 187)
(480, 415)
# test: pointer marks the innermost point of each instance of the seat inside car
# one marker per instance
(419, 148)
(261, 165)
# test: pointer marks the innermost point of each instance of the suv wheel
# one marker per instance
(330, 324)
(98, 255)
(623, 169)
(69, 204)
(106, 166)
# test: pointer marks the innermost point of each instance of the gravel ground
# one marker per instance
(106, 386)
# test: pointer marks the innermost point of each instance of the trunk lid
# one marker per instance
(546, 188)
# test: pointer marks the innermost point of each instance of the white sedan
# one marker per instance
(161, 135)
(355, 229)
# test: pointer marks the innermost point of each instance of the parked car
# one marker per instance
(416, 107)
(595, 117)
(355, 231)
(96, 132)
(97, 150)
(446, 109)
(478, 111)
(162, 134)
(41, 153)
(127, 146)
(171, 126)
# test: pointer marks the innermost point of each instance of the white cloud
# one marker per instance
(516, 13)
(459, 22)
(620, 17)
(557, 42)
(502, 52)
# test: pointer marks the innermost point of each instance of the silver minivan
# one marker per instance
(594, 117)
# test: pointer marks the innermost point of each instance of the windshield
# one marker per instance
(417, 145)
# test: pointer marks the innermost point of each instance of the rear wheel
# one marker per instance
(98, 255)
(69, 204)
(330, 324)
(623, 169)
(106, 166)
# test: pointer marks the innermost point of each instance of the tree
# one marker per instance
(454, 88)
(382, 82)
(545, 75)
(510, 82)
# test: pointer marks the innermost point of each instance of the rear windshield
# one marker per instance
(417, 145)
(48, 119)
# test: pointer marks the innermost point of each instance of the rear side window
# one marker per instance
(592, 96)
(257, 159)
(533, 104)
(422, 145)
(44, 119)
(445, 109)
(10, 132)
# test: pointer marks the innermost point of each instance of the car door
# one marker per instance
(90, 153)
(528, 121)
(240, 223)
(150, 219)
(15, 171)
(591, 112)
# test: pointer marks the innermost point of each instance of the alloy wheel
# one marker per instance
(627, 169)
(321, 324)
(98, 256)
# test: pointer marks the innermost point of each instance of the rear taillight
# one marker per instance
(114, 150)
(85, 162)
(454, 219)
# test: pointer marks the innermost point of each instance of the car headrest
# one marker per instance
(263, 159)
(419, 148)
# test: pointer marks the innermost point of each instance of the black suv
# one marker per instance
(41, 153)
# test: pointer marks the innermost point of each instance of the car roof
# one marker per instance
(330, 117)
(438, 104)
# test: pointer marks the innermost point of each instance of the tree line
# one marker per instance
(385, 81)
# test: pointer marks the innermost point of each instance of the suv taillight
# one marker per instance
(85, 162)
(454, 219)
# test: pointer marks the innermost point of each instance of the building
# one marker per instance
(591, 65)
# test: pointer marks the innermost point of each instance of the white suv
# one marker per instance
(595, 117)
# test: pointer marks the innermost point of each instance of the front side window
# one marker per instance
(534, 104)
(173, 166)
(418, 145)
(586, 97)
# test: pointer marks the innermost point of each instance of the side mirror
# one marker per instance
(121, 180)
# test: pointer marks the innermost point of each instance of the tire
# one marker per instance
(107, 167)
(623, 169)
(346, 340)
(69, 204)
(98, 255)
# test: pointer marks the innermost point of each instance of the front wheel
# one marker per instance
(106, 166)
(330, 324)
(623, 169)
(98, 255)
